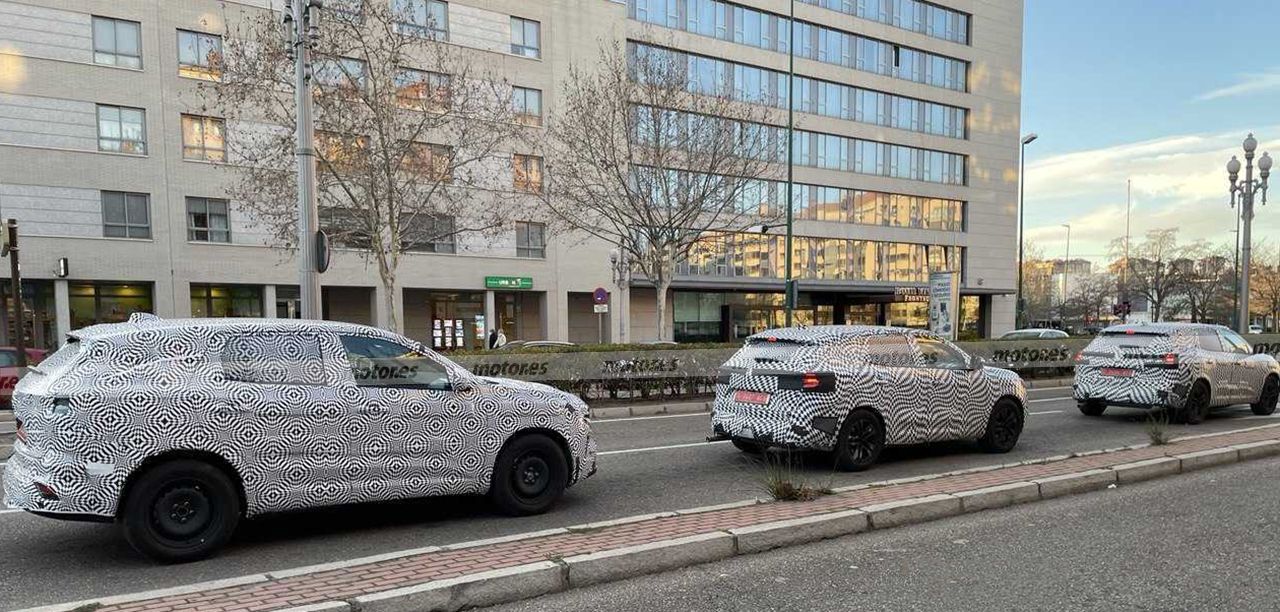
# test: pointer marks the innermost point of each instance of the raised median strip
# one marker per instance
(520, 566)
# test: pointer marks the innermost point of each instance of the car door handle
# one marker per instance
(371, 410)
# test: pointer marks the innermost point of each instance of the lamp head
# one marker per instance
(1250, 144)
(1029, 138)
(1233, 168)
(1264, 164)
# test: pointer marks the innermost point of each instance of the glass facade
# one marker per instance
(923, 17)
(93, 303)
(38, 315)
(763, 256)
(756, 85)
(755, 28)
(226, 300)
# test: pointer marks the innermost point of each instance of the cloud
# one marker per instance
(1179, 181)
(1247, 84)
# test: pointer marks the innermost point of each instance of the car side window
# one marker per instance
(8, 359)
(1235, 344)
(890, 350)
(938, 354)
(274, 359)
(376, 362)
(1210, 342)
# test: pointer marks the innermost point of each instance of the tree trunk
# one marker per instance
(387, 265)
(663, 285)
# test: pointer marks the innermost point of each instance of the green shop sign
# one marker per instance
(508, 282)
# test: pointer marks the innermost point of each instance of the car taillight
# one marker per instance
(1080, 357)
(1170, 359)
(819, 382)
(22, 432)
(46, 491)
(810, 381)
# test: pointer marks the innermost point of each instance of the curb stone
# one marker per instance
(1146, 470)
(998, 496)
(1078, 482)
(1208, 458)
(328, 606)
(93, 604)
(610, 565)
(474, 590)
(915, 510)
(1256, 450)
(759, 538)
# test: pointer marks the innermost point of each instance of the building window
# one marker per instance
(433, 161)
(92, 303)
(339, 72)
(422, 90)
(527, 104)
(528, 173)
(425, 233)
(226, 300)
(122, 129)
(208, 220)
(126, 215)
(526, 37)
(425, 18)
(199, 55)
(344, 153)
(347, 11)
(531, 240)
(117, 42)
(203, 138)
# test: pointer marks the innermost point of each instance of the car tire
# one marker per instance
(860, 441)
(746, 446)
(1196, 408)
(530, 476)
(1266, 403)
(181, 510)
(1092, 408)
(1004, 427)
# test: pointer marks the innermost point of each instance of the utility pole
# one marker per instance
(10, 250)
(1124, 270)
(302, 19)
(1020, 306)
(789, 285)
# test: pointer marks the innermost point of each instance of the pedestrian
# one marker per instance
(493, 339)
(502, 339)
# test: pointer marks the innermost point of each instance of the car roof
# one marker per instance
(1162, 328)
(827, 333)
(150, 323)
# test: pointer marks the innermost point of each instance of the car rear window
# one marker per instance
(55, 363)
(1125, 340)
(770, 350)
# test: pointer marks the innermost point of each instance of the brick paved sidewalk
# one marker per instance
(415, 569)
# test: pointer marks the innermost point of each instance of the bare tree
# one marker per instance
(1037, 285)
(1151, 270)
(1091, 299)
(1264, 283)
(410, 136)
(1206, 282)
(657, 167)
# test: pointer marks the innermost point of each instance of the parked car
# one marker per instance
(524, 344)
(853, 390)
(1033, 334)
(10, 372)
(1186, 368)
(178, 429)
(1256, 329)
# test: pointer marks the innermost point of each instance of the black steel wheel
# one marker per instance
(180, 510)
(1266, 403)
(1004, 427)
(1196, 408)
(530, 475)
(860, 441)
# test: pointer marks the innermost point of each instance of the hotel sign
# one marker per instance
(911, 294)
(508, 282)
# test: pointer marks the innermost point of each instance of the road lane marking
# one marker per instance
(1046, 412)
(646, 418)
(654, 448)
(1048, 399)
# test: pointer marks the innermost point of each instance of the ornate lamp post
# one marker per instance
(1247, 190)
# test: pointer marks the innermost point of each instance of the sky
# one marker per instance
(1161, 92)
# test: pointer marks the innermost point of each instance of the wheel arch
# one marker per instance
(555, 436)
(212, 458)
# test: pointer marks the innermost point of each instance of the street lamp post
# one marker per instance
(620, 263)
(1235, 278)
(1066, 272)
(1020, 307)
(1247, 190)
(302, 24)
(789, 299)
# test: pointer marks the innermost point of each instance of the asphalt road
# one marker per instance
(647, 465)
(1203, 541)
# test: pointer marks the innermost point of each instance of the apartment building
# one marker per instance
(905, 156)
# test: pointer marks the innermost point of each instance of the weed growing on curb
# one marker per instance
(1157, 427)
(784, 483)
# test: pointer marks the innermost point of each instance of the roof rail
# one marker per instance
(139, 318)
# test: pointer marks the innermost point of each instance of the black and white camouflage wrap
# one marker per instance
(918, 403)
(144, 389)
(1233, 378)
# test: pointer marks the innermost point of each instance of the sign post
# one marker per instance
(9, 248)
(944, 304)
(600, 301)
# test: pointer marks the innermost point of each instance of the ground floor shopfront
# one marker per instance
(727, 316)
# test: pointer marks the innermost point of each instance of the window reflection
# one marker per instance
(763, 256)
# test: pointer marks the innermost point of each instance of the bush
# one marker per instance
(599, 348)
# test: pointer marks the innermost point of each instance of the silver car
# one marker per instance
(1183, 367)
(178, 429)
(853, 390)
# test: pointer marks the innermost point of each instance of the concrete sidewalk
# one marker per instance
(528, 565)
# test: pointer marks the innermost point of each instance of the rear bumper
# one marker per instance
(76, 491)
(1141, 391)
(793, 420)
